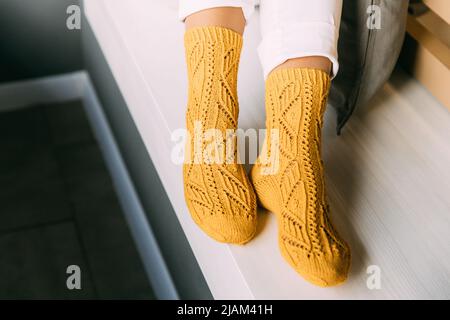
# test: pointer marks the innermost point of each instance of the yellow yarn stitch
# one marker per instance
(295, 103)
(219, 196)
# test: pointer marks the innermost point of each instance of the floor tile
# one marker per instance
(31, 188)
(34, 261)
(59, 207)
(68, 123)
(109, 247)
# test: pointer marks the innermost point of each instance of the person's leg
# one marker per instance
(218, 193)
(298, 51)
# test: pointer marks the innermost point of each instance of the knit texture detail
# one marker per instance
(218, 194)
(295, 104)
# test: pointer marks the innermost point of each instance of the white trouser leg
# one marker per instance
(298, 28)
(188, 7)
(289, 28)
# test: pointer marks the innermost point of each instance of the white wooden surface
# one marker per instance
(388, 175)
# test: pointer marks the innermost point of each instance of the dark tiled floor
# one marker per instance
(34, 263)
(58, 208)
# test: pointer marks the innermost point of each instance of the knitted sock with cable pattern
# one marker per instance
(218, 193)
(295, 192)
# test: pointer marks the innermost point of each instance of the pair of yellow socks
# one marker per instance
(220, 196)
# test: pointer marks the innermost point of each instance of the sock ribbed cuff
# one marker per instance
(214, 34)
(310, 75)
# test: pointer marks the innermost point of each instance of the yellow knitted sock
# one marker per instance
(219, 195)
(295, 192)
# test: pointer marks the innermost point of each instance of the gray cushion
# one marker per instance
(367, 56)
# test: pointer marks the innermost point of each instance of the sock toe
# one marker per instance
(322, 269)
(230, 229)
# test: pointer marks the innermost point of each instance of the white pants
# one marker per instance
(289, 28)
